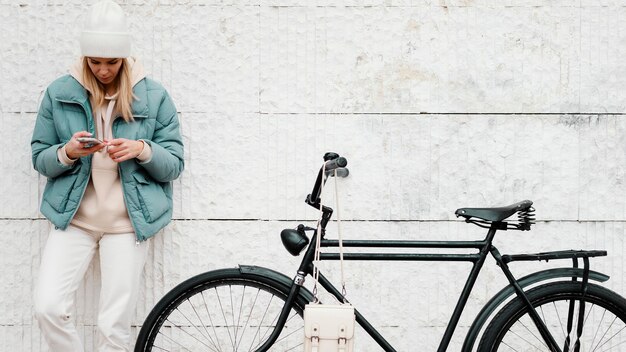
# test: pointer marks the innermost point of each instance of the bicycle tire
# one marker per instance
(603, 324)
(222, 310)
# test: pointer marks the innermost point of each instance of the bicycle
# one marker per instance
(252, 308)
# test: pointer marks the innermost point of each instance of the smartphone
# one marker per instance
(89, 141)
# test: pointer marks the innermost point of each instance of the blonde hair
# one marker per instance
(125, 96)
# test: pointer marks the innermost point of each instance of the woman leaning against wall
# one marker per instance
(108, 195)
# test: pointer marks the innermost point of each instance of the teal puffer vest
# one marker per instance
(65, 110)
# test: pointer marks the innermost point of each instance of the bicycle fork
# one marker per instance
(284, 314)
(296, 285)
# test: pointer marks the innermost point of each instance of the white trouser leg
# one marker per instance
(65, 260)
(121, 265)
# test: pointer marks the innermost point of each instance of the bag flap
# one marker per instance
(329, 321)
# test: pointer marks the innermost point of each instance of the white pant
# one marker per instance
(65, 260)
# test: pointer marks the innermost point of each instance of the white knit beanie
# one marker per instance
(105, 33)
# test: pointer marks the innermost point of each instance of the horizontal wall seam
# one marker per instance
(352, 220)
(395, 113)
(451, 113)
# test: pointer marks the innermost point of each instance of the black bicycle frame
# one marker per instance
(484, 248)
(478, 259)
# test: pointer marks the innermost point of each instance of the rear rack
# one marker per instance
(567, 254)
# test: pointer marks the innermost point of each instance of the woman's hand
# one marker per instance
(122, 149)
(75, 149)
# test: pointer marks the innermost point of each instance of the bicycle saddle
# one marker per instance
(494, 214)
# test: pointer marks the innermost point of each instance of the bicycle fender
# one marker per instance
(509, 291)
(276, 277)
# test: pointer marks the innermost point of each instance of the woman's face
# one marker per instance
(105, 69)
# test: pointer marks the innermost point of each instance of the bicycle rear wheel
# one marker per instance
(601, 327)
(223, 310)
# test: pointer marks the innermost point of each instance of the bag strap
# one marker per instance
(316, 259)
(343, 279)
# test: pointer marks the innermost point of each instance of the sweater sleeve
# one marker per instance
(146, 152)
(63, 158)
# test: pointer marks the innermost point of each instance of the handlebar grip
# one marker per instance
(336, 163)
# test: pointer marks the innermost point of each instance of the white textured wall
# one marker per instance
(436, 105)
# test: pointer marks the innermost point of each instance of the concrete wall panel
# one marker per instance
(436, 104)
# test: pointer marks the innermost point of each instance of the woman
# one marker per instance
(111, 196)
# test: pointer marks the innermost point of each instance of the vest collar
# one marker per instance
(73, 91)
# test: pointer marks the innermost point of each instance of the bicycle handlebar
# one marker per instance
(332, 162)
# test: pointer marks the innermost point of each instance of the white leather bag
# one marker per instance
(328, 327)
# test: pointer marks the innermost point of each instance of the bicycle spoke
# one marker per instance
(224, 315)
(611, 338)
(268, 330)
(566, 339)
(256, 297)
(533, 335)
(201, 323)
(232, 307)
(299, 347)
(206, 308)
(243, 294)
(272, 326)
(258, 331)
(595, 335)
(509, 346)
(291, 333)
(183, 330)
(180, 327)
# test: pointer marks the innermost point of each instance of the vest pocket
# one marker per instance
(152, 198)
(58, 190)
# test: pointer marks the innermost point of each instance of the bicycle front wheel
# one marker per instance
(599, 326)
(223, 310)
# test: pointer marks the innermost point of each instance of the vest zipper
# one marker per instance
(119, 171)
